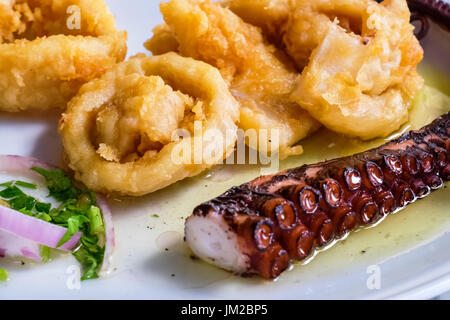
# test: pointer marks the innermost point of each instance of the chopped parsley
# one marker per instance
(45, 253)
(59, 184)
(78, 212)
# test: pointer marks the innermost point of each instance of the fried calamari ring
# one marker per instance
(49, 48)
(260, 76)
(361, 77)
(118, 132)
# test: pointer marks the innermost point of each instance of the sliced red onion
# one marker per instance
(22, 235)
(109, 235)
(36, 230)
(14, 246)
(21, 164)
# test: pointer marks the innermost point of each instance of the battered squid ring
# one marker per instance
(260, 76)
(49, 48)
(128, 88)
(361, 77)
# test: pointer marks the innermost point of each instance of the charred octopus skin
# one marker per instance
(260, 226)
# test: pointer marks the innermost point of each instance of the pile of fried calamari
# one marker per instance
(351, 64)
(282, 68)
(288, 65)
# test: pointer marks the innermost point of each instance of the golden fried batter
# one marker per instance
(163, 40)
(45, 55)
(260, 76)
(118, 132)
(357, 58)
(310, 20)
(270, 15)
(361, 76)
(148, 108)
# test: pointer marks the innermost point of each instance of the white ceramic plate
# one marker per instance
(408, 251)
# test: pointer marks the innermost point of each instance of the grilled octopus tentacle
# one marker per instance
(438, 10)
(260, 226)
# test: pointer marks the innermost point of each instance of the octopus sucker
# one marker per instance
(285, 217)
(438, 10)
